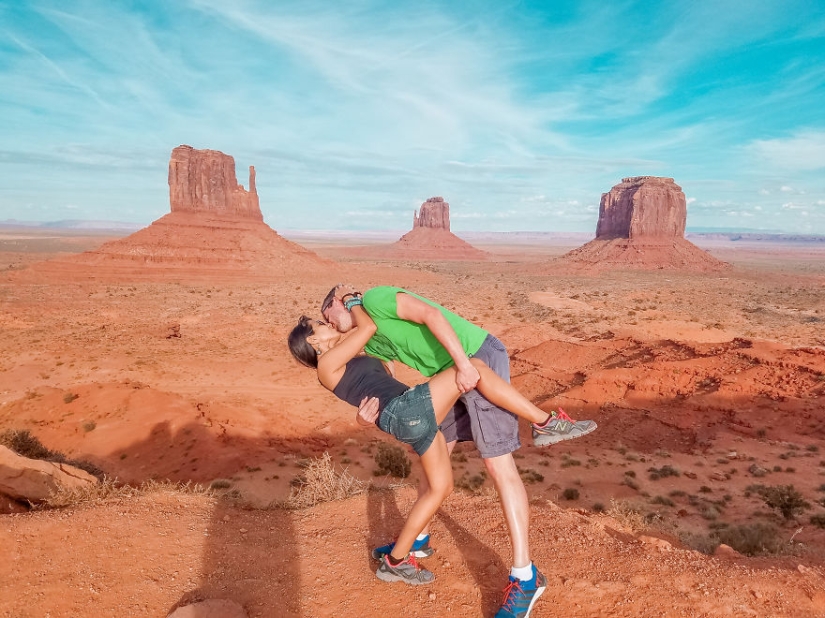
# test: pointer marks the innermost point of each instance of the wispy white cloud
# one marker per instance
(804, 151)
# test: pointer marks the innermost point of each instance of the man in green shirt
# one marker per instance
(427, 337)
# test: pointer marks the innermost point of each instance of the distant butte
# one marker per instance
(642, 226)
(430, 239)
(215, 228)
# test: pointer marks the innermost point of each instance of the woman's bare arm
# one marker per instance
(332, 364)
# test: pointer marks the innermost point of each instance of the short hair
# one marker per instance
(328, 300)
(303, 352)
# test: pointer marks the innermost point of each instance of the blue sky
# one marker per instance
(520, 115)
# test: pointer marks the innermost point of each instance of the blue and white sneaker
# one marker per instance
(420, 549)
(521, 595)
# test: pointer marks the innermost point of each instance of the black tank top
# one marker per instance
(366, 376)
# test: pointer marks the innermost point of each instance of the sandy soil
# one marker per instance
(713, 375)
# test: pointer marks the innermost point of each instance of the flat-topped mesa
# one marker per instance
(643, 207)
(435, 212)
(205, 181)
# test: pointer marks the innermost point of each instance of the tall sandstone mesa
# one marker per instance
(643, 207)
(642, 226)
(204, 181)
(430, 239)
(215, 229)
(435, 213)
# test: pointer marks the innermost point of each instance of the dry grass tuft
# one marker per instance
(627, 515)
(321, 483)
(111, 488)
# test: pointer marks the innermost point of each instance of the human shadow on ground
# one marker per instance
(483, 562)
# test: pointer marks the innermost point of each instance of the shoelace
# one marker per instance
(411, 559)
(511, 594)
(561, 414)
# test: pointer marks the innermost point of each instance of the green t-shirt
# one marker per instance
(413, 344)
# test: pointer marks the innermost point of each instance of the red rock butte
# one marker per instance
(430, 239)
(215, 228)
(642, 226)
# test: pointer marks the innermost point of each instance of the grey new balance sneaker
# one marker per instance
(560, 427)
(408, 572)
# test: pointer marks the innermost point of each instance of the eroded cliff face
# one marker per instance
(434, 213)
(204, 181)
(643, 207)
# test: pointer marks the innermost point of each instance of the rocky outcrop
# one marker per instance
(34, 480)
(643, 207)
(434, 213)
(642, 227)
(204, 181)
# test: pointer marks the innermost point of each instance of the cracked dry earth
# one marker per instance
(717, 379)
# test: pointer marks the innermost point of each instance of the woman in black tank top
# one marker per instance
(355, 378)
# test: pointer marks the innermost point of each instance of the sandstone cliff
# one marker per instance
(434, 213)
(643, 207)
(204, 181)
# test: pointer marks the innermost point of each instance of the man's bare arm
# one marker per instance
(414, 310)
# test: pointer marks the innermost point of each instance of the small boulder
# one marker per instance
(210, 608)
(35, 480)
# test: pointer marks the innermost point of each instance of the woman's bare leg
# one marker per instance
(445, 393)
(439, 485)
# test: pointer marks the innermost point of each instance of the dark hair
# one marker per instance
(298, 344)
(328, 300)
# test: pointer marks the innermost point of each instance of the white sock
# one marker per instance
(421, 537)
(523, 573)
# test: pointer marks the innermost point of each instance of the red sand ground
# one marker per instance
(707, 373)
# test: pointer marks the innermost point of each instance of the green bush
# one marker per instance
(785, 499)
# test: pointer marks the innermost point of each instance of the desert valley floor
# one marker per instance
(708, 388)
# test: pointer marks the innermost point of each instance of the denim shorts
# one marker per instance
(410, 417)
(493, 429)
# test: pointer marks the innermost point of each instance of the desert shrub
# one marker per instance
(392, 460)
(630, 473)
(471, 482)
(629, 515)
(664, 471)
(530, 476)
(89, 426)
(750, 539)
(567, 463)
(663, 501)
(321, 483)
(704, 489)
(70, 397)
(818, 520)
(220, 484)
(598, 507)
(23, 443)
(630, 483)
(785, 499)
(571, 493)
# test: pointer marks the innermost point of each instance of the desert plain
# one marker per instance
(708, 388)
